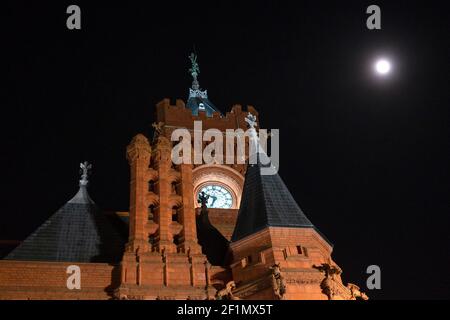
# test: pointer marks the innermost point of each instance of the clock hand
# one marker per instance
(214, 200)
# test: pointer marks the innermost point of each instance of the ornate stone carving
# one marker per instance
(157, 126)
(162, 151)
(162, 142)
(356, 292)
(278, 282)
(331, 285)
(138, 148)
(227, 292)
(254, 287)
(306, 278)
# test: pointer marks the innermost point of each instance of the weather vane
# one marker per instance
(85, 167)
(194, 70)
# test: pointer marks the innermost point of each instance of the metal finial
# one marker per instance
(85, 167)
(194, 70)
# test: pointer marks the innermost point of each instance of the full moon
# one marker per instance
(382, 66)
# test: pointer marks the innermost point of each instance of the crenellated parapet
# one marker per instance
(178, 115)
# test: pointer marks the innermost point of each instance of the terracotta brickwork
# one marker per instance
(298, 252)
(162, 203)
(22, 280)
(166, 211)
(178, 116)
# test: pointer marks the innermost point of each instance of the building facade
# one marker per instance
(193, 231)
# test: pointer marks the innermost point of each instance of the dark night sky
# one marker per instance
(367, 160)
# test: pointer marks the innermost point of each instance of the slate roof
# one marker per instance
(267, 202)
(78, 232)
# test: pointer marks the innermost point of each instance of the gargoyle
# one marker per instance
(356, 292)
(329, 285)
(278, 283)
(227, 292)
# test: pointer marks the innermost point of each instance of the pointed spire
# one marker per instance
(82, 195)
(198, 98)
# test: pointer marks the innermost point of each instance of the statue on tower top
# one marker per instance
(198, 98)
(194, 70)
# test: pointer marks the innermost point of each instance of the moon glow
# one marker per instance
(382, 66)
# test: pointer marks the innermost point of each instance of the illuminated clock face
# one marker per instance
(219, 197)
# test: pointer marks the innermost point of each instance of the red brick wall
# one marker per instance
(279, 245)
(47, 280)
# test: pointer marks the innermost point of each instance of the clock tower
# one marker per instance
(163, 249)
(214, 230)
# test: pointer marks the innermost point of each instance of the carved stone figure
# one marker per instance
(329, 285)
(157, 126)
(356, 293)
(278, 282)
(227, 292)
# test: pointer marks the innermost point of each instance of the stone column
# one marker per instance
(189, 232)
(163, 164)
(138, 155)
